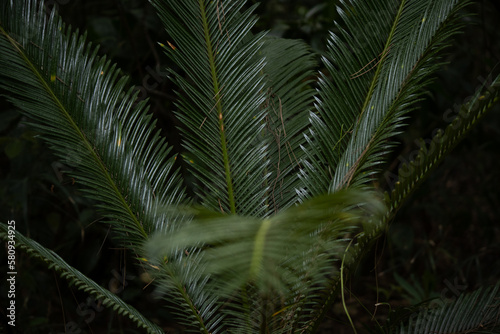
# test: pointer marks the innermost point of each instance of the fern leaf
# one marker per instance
(221, 100)
(79, 280)
(377, 77)
(80, 104)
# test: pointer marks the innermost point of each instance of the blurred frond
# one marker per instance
(279, 260)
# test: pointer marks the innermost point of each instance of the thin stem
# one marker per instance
(342, 288)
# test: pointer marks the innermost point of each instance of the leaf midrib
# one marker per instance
(218, 105)
(382, 61)
(350, 173)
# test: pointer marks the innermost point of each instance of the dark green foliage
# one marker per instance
(279, 204)
(79, 280)
(476, 312)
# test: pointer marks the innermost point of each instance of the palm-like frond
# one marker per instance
(377, 78)
(221, 99)
(352, 53)
(81, 106)
(410, 176)
(79, 280)
(278, 260)
(79, 103)
(477, 312)
(403, 78)
(269, 265)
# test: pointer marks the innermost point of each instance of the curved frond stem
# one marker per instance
(412, 174)
(342, 288)
(79, 280)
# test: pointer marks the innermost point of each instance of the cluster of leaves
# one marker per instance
(281, 169)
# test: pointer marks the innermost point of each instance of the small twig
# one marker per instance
(215, 105)
(356, 75)
(342, 287)
(220, 205)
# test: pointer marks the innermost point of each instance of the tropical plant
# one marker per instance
(284, 165)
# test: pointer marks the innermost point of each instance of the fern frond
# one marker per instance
(79, 280)
(476, 312)
(221, 99)
(403, 78)
(80, 104)
(376, 80)
(412, 174)
(277, 260)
